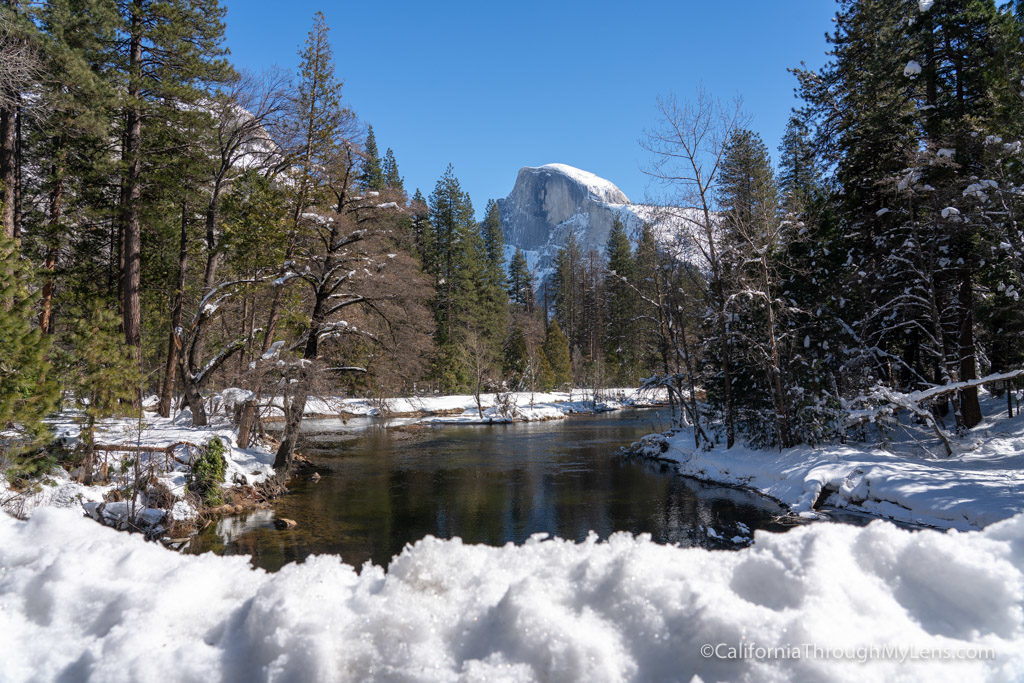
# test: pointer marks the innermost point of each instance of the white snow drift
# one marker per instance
(79, 601)
(981, 483)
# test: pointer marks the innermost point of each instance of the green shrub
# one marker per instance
(208, 473)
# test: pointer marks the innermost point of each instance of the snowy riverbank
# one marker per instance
(253, 465)
(981, 483)
(522, 406)
(60, 489)
(923, 605)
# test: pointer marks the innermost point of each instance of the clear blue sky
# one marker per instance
(494, 86)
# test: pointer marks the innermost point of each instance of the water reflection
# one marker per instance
(493, 485)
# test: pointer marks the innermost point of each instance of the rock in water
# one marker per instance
(285, 523)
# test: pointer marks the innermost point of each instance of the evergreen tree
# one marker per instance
(101, 374)
(494, 320)
(459, 267)
(556, 353)
(372, 175)
(516, 358)
(620, 337)
(172, 54)
(520, 282)
(70, 132)
(423, 232)
(904, 110)
(799, 172)
(566, 284)
(19, 72)
(392, 180)
(27, 390)
(315, 126)
(753, 242)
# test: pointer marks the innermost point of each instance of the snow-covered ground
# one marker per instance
(60, 490)
(824, 602)
(462, 408)
(981, 483)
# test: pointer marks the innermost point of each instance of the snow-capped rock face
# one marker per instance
(548, 202)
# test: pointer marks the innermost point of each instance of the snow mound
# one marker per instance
(79, 601)
(982, 483)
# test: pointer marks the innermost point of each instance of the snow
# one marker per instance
(981, 483)
(59, 490)
(925, 5)
(912, 69)
(600, 189)
(79, 601)
(462, 408)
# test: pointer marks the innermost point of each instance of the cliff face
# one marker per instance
(548, 202)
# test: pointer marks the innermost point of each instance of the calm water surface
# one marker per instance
(384, 488)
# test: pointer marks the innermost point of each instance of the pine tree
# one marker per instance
(73, 135)
(799, 171)
(422, 231)
(392, 180)
(904, 110)
(27, 390)
(620, 334)
(101, 374)
(753, 242)
(520, 282)
(494, 320)
(372, 175)
(515, 358)
(556, 353)
(459, 267)
(317, 122)
(172, 54)
(566, 283)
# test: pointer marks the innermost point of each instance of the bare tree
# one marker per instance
(244, 116)
(687, 148)
(350, 275)
(480, 362)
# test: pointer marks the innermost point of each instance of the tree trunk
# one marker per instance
(18, 178)
(8, 170)
(174, 342)
(50, 260)
(132, 157)
(246, 423)
(198, 348)
(293, 422)
(969, 406)
(193, 396)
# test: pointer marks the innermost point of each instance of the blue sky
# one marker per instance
(492, 86)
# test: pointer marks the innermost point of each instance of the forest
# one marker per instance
(176, 228)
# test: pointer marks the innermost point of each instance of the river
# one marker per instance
(383, 488)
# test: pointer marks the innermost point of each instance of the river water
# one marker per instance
(383, 488)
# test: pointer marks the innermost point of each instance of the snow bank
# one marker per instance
(982, 483)
(545, 405)
(79, 601)
(59, 489)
